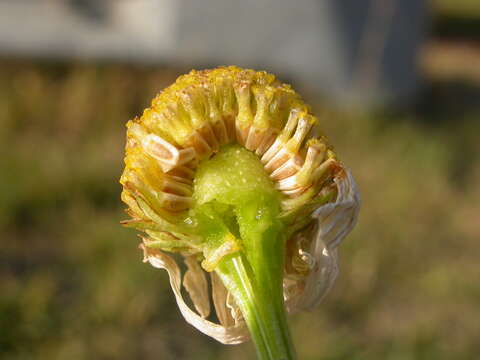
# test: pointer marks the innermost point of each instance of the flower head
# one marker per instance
(230, 164)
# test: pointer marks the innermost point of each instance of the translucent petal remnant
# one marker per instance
(205, 113)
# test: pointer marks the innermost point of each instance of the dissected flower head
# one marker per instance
(223, 160)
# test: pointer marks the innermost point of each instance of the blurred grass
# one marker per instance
(456, 8)
(73, 284)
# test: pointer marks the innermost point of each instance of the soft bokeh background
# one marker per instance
(72, 284)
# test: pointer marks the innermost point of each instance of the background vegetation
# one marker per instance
(72, 281)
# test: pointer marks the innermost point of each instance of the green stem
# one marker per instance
(263, 312)
(237, 213)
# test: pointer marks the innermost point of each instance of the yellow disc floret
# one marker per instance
(204, 111)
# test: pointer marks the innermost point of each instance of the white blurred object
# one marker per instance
(354, 51)
(113, 29)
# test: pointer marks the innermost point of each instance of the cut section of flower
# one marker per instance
(229, 169)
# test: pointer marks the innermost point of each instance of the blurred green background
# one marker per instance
(72, 281)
